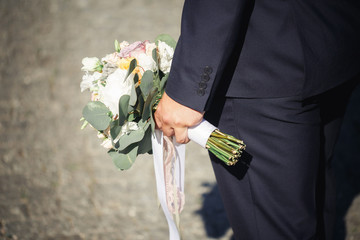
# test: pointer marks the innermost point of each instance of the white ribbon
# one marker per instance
(199, 134)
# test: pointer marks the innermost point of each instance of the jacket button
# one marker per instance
(208, 70)
(202, 85)
(205, 77)
(200, 92)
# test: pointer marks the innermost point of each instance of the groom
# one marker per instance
(276, 74)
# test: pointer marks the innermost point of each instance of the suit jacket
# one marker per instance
(262, 48)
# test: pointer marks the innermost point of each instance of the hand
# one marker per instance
(174, 118)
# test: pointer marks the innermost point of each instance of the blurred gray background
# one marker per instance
(56, 181)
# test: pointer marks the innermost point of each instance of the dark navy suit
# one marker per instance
(276, 74)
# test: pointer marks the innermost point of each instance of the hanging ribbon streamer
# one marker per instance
(169, 165)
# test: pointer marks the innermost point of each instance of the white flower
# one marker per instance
(146, 62)
(116, 86)
(149, 48)
(90, 64)
(128, 127)
(107, 144)
(112, 58)
(166, 54)
(88, 80)
(124, 44)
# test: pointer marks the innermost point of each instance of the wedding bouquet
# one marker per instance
(126, 87)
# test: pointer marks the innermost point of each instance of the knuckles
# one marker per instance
(182, 140)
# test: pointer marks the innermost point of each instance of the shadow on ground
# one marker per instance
(213, 212)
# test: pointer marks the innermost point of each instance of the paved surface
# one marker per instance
(56, 182)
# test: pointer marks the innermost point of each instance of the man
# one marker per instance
(276, 74)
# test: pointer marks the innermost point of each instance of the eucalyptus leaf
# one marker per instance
(140, 101)
(132, 117)
(97, 114)
(155, 57)
(163, 82)
(124, 161)
(147, 82)
(152, 121)
(167, 39)
(132, 137)
(132, 66)
(136, 78)
(149, 99)
(114, 129)
(156, 79)
(133, 96)
(145, 144)
(145, 125)
(123, 108)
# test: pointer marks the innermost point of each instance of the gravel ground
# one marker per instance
(56, 182)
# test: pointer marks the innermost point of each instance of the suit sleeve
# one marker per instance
(209, 30)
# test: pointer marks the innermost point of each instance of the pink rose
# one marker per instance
(133, 49)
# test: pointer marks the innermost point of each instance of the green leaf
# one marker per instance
(123, 108)
(133, 96)
(132, 137)
(117, 46)
(147, 112)
(156, 78)
(114, 129)
(124, 161)
(145, 144)
(152, 121)
(143, 124)
(97, 114)
(136, 78)
(147, 82)
(163, 82)
(155, 57)
(167, 39)
(140, 102)
(132, 66)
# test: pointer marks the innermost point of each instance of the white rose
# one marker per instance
(166, 54)
(146, 62)
(116, 86)
(89, 81)
(90, 64)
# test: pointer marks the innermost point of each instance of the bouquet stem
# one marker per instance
(225, 147)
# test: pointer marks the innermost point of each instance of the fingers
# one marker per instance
(158, 123)
(168, 131)
(181, 135)
(173, 118)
